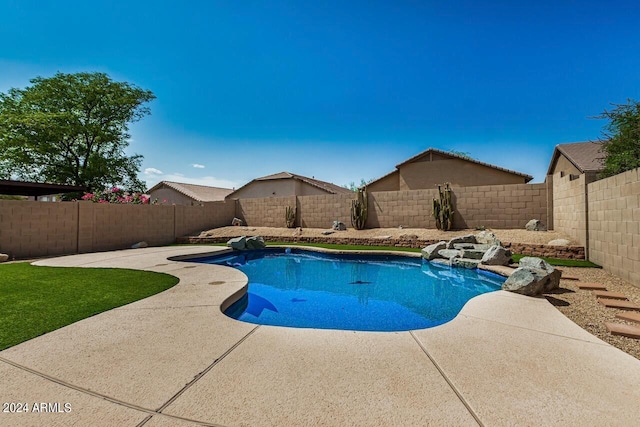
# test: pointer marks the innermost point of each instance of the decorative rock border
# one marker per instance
(562, 252)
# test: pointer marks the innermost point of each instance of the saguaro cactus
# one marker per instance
(442, 208)
(359, 210)
(290, 216)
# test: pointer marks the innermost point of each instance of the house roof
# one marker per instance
(199, 193)
(26, 188)
(585, 156)
(455, 156)
(323, 185)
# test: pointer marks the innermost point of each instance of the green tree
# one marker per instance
(353, 187)
(72, 129)
(621, 138)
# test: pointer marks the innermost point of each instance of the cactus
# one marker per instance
(359, 210)
(290, 216)
(442, 208)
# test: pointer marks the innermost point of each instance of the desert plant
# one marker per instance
(359, 210)
(290, 216)
(442, 208)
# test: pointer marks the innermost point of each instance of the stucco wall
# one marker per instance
(388, 183)
(460, 173)
(563, 165)
(171, 196)
(268, 188)
(614, 224)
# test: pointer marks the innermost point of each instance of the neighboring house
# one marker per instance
(578, 158)
(285, 184)
(433, 167)
(177, 193)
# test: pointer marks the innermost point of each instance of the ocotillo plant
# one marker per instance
(359, 210)
(442, 208)
(290, 216)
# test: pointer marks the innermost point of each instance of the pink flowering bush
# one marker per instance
(119, 196)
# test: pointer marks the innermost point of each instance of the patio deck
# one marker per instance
(174, 359)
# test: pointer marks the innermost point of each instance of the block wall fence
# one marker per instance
(603, 216)
(34, 229)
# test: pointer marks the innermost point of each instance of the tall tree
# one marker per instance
(621, 138)
(72, 129)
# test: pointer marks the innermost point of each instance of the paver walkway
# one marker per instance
(175, 360)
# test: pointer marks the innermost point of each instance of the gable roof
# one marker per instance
(323, 185)
(455, 156)
(199, 193)
(585, 156)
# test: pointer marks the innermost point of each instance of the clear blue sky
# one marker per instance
(339, 90)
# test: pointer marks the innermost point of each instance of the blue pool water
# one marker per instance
(307, 289)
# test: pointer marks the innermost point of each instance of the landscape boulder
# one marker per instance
(535, 225)
(431, 251)
(238, 243)
(255, 242)
(139, 245)
(559, 242)
(449, 253)
(465, 263)
(469, 238)
(488, 238)
(339, 226)
(4, 257)
(236, 222)
(496, 255)
(533, 277)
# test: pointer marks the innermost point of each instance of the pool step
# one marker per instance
(616, 303)
(610, 295)
(623, 330)
(465, 263)
(630, 316)
(472, 253)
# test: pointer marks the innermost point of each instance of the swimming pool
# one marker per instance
(364, 292)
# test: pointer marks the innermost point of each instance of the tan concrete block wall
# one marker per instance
(569, 207)
(264, 212)
(499, 206)
(32, 229)
(106, 227)
(409, 208)
(614, 224)
(194, 219)
(320, 211)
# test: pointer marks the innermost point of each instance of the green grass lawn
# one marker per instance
(36, 300)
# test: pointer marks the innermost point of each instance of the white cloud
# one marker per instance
(198, 166)
(152, 171)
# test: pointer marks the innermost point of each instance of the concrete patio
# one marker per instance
(174, 359)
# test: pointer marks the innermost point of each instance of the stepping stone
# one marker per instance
(616, 303)
(632, 316)
(623, 330)
(611, 295)
(591, 286)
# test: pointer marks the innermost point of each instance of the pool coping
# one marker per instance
(505, 359)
